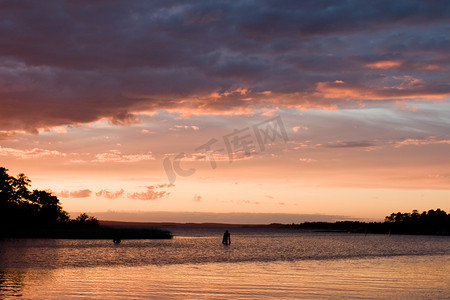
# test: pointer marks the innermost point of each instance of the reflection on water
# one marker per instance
(11, 282)
(371, 278)
(246, 247)
(256, 265)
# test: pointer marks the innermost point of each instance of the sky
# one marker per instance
(228, 111)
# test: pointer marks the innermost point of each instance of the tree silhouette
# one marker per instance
(48, 206)
(85, 220)
(431, 222)
(20, 207)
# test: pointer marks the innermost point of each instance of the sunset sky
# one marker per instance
(312, 110)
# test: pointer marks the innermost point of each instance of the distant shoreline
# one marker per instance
(150, 230)
(126, 224)
(340, 226)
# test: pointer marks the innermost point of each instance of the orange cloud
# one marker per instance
(4, 135)
(62, 194)
(117, 156)
(409, 88)
(419, 142)
(404, 105)
(109, 195)
(72, 194)
(151, 193)
(28, 154)
(335, 90)
(298, 128)
(306, 160)
(384, 64)
(81, 193)
(178, 127)
(425, 66)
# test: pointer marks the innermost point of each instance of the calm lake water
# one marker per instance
(258, 264)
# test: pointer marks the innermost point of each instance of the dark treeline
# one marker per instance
(37, 213)
(22, 208)
(432, 222)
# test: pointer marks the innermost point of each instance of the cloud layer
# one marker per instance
(71, 62)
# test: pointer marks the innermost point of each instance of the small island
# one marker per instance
(432, 222)
(39, 214)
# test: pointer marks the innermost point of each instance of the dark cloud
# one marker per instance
(66, 62)
(349, 144)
